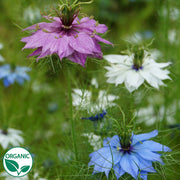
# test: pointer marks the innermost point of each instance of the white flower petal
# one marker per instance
(12, 137)
(149, 78)
(129, 88)
(82, 99)
(134, 79)
(113, 58)
(121, 70)
(94, 82)
(1, 58)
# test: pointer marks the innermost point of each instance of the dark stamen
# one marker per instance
(96, 117)
(136, 67)
(5, 132)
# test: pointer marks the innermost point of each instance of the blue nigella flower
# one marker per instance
(52, 107)
(11, 74)
(96, 117)
(135, 159)
(175, 126)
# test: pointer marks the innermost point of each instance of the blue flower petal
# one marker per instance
(129, 165)
(118, 171)
(20, 80)
(137, 161)
(106, 141)
(144, 165)
(10, 75)
(142, 137)
(148, 155)
(104, 158)
(6, 82)
(22, 69)
(151, 145)
(101, 158)
(25, 76)
(143, 175)
(114, 142)
(5, 71)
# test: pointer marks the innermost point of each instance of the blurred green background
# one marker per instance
(41, 108)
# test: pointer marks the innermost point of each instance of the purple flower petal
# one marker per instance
(78, 58)
(36, 52)
(63, 48)
(38, 39)
(43, 54)
(98, 38)
(76, 43)
(92, 25)
(80, 42)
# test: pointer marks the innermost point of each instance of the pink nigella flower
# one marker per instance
(76, 40)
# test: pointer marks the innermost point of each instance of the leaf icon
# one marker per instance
(25, 168)
(12, 165)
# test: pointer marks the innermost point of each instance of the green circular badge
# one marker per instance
(17, 162)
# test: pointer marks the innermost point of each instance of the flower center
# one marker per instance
(125, 142)
(67, 27)
(126, 149)
(138, 59)
(67, 13)
(136, 67)
(4, 131)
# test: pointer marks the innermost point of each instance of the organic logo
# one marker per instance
(17, 162)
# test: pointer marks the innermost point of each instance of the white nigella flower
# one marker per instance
(32, 15)
(156, 99)
(150, 115)
(82, 99)
(1, 58)
(174, 13)
(94, 140)
(65, 155)
(172, 36)
(8, 177)
(10, 137)
(94, 82)
(36, 176)
(1, 45)
(139, 37)
(41, 87)
(136, 38)
(136, 68)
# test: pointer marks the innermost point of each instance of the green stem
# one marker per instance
(52, 64)
(61, 2)
(75, 2)
(89, 2)
(71, 116)
(166, 26)
(124, 118)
